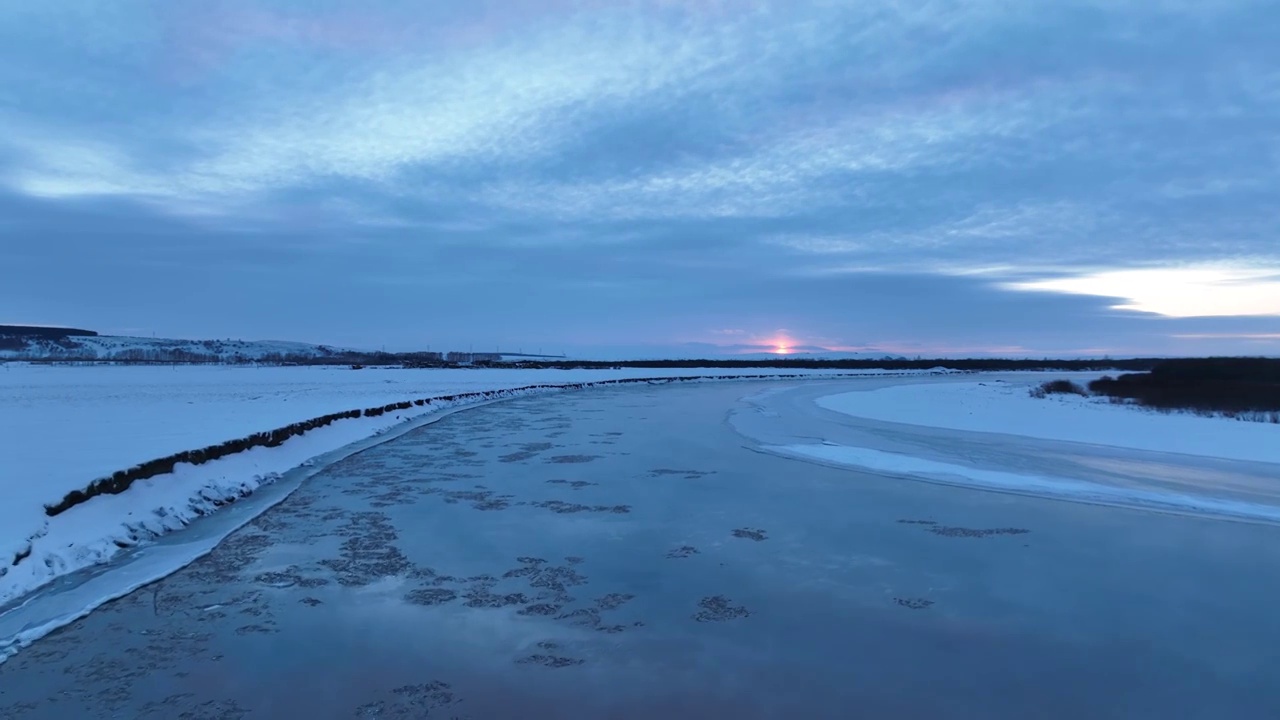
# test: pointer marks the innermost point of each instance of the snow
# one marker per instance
(65, 426)
(1008, 408)
(1029, 484)
(52, 604)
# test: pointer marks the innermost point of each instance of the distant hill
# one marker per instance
(831, 355)
(43, 331)
(18, 344)
(708, 351)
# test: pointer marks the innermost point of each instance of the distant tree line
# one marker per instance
(1214, 385)
(46, 346)
(10, 342)
(971, 364)
(48, 333)
(183, 355)
(65, 350)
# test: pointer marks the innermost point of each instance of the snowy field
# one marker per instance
(65, 426)
(999, 406)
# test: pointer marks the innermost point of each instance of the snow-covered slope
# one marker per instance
(115, 347)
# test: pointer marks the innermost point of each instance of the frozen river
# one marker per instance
(638, 552)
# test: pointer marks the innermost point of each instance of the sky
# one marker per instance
(917, 177)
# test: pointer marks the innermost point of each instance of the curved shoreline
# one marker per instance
(799, 426)
(621, 552)
(152, 553)
(75, 595)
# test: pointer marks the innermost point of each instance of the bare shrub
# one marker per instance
(1058, 387)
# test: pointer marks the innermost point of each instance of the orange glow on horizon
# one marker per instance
(782, 342)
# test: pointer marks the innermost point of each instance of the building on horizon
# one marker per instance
(472, 357)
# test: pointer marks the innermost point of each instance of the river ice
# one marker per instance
(636, 552)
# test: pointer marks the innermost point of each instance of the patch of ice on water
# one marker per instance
(1039, 485)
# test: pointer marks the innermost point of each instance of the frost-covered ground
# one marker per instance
(65, 426)
(1004, 406)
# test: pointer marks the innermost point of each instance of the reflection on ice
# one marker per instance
(439, 575)
(1038, 485)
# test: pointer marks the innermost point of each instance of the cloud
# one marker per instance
(1227, 336)
(889, 96)
(518, 97)
(502, 104)
(974, 240)
(523, 96)
(1182, 292)
(938, 166)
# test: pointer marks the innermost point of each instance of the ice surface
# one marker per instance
(72, 595)
(96, 531)
(64, 426)
(1039, 485)
(467, 571)
(1007, 407)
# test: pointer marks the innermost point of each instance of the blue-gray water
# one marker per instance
(626, 553)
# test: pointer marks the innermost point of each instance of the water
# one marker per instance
(627, 553)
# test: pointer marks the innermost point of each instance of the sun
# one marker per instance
(783, 349)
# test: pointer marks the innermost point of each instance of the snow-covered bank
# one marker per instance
(1007, 407)
(67, 598)
(64, 427)
(96, 530)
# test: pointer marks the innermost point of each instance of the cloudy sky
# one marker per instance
(917, 176)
